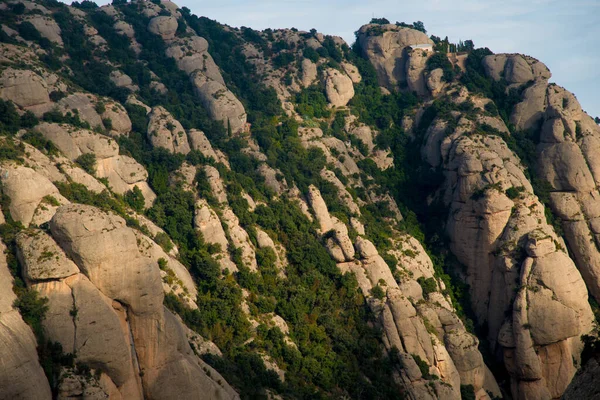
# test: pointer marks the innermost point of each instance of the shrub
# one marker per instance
(283, 60)
(135, 199)
(428, 285)
(378, 292)
(163, 240)
(87, 162)
(38, 141)
(32, 307)
(514, 192)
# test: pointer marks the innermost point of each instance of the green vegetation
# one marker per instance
(312, 103)
(428, 285)
(87, 162)
(467, 392)
(11, 121)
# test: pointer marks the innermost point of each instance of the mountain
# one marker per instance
(196, 211)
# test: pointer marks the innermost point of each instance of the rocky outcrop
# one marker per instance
(220, 102)
(386, 47)
(119, 293)
(198, 141)
(338, 87)
(123, 174)
(25, 88)
(519, 71)
(411, 320)
(166, 132)
(493, 218)
(163, 26)
(47, 27)
(20, 366)
(309, 72)
(27, 191)
(85, 104)
(73, 142)
(192, 57)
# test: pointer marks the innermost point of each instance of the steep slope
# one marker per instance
(198, 211)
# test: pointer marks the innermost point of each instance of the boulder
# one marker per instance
(74, 142)
(338, 87)
(166, 132)
(309, 72)
(85, 104)
(163, 26)
(26, 189)
(25, 88)
(199, 142)
(47, 27)
(220, 102)
(42, 259)
(208, 223)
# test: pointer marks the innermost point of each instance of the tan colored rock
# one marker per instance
(78, 175)
(123, 174)
(26, 188)
(163, 26)
(47, 27)
(20, 366)
(309, 72)
(191, 55)
(166, 132)
(216, 184)
(74, 142)
(107, 252)
(220, 102)
(86, 108)
(208, 223)
(25, 88)
(125, 29)
(338, 87)
(384, 46)
(415, 68)
(240, 239)
(352, 72)
(320, 209)
(435, 84)
(198, 141)
(273, 179)
(119, 119)
(42, 258)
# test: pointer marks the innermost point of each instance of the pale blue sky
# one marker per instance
(563, 34)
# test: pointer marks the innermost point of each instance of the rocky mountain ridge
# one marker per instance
(197, 211)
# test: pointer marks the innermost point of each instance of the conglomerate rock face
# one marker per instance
(493, 217)
(142, 208)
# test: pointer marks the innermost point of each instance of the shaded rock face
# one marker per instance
(120, 327)
(403, 313)
(565, 156)
(386, 47)
(20, 366)
(535, 320)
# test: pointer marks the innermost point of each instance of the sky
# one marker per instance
(563, 34)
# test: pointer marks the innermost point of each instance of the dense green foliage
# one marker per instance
(87, 162)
